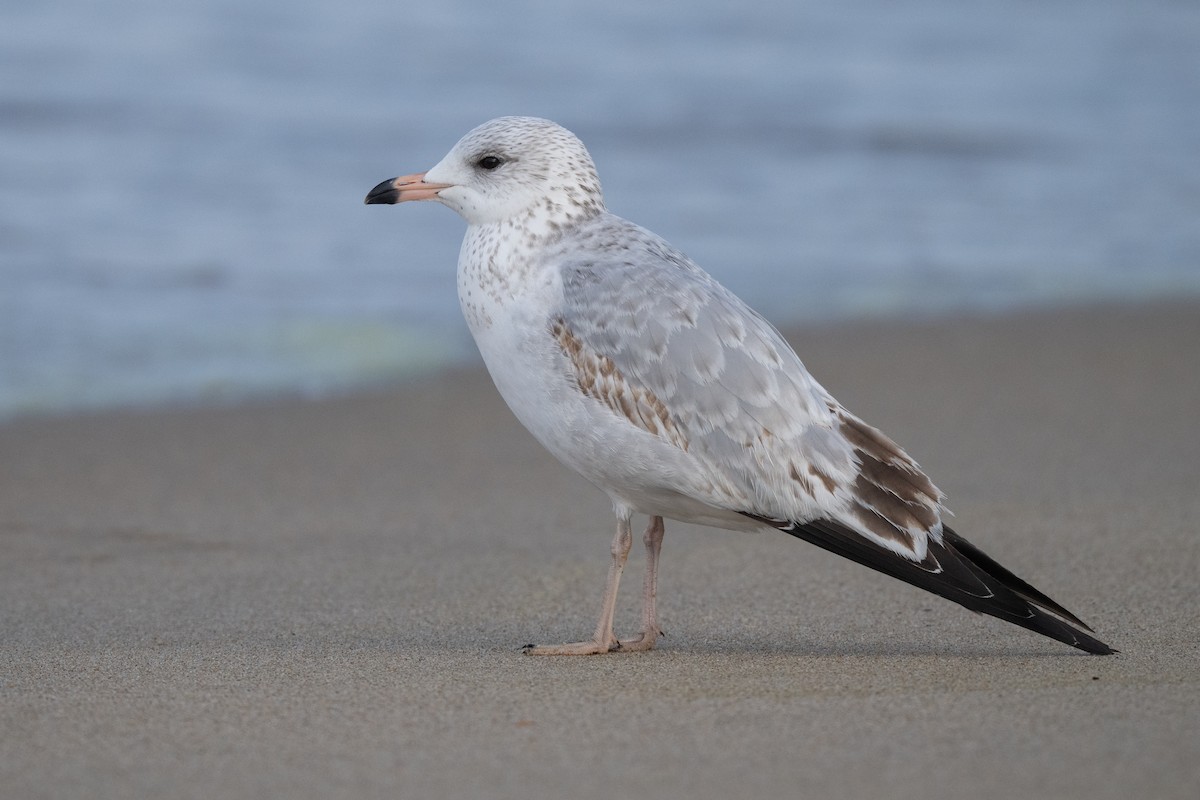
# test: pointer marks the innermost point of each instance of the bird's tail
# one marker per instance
(958, 571)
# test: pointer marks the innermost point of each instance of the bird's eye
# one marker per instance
(489, 162)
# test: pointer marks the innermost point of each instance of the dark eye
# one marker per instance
(489, 162)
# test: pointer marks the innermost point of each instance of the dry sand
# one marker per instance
(328, 599)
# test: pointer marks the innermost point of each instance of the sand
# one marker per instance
(328, 599)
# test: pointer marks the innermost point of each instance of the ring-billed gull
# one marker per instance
(638, 370)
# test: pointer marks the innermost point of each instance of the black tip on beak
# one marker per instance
(385, 192)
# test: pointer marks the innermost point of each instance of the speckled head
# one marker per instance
(508, 168)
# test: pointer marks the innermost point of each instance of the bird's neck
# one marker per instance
(512, 242)
(502, 262)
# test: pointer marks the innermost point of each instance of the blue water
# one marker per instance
(181, 184)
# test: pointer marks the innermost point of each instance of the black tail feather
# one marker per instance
(958, 571)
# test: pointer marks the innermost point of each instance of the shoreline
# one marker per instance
(328, 597)
(169, 401)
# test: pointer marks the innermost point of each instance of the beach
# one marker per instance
(329, 598)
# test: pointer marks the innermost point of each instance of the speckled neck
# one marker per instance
(501, 260)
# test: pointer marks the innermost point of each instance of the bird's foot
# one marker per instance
(592, 647)
(642, 642)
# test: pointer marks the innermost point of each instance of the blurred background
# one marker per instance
(181, 184)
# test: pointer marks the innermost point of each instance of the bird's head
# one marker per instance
(507, 168)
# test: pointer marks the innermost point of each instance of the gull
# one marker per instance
(642, 373)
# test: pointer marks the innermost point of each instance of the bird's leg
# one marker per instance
(650, 631)
(602, 640)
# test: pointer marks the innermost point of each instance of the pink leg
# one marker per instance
(650, 631)
(602, 640)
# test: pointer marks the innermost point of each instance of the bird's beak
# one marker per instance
(406, 187)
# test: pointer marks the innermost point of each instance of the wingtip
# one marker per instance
(1096, 647)
(965, 575)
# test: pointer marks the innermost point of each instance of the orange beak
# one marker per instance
(406, 187)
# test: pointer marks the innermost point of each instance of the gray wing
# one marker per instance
(662, 343)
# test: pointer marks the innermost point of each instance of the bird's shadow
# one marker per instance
(501, 639)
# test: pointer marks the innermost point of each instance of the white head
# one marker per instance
(506, 168)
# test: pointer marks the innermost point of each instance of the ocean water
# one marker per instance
(181, 184)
